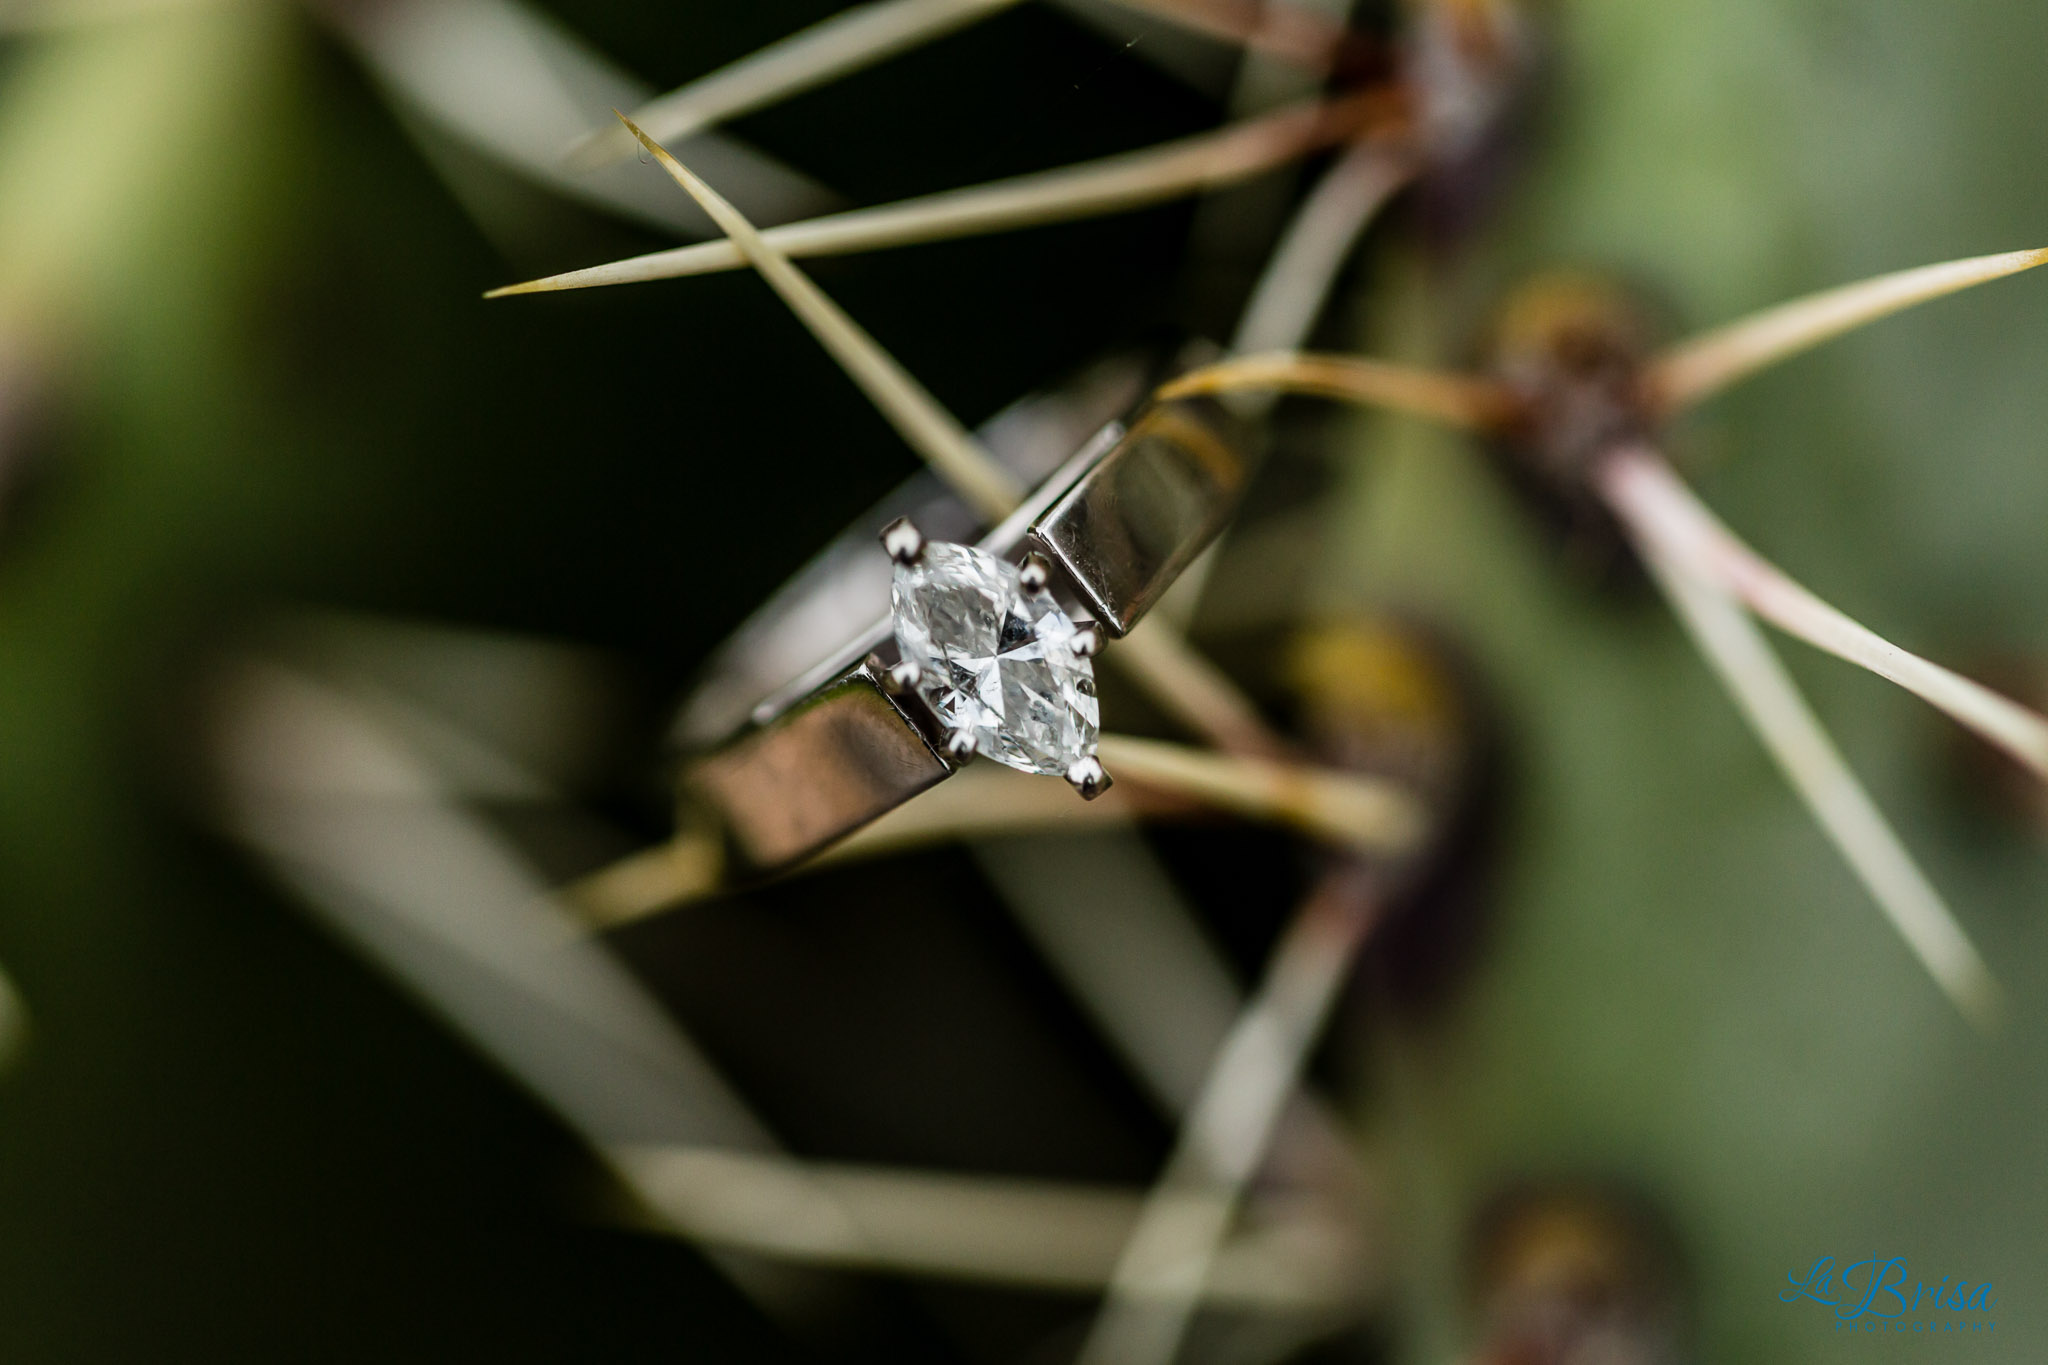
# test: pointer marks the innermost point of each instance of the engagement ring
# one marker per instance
(823, 713)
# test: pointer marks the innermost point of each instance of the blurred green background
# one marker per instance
(248, 313)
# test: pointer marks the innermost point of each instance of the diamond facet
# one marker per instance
(994, 660)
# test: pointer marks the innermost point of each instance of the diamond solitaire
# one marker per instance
(1004, 670)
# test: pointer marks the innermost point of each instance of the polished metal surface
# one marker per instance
(1128, 528)
(1034, 574)
(827, 766)
(1089, 779)
(903, 542)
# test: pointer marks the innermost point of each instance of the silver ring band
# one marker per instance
(792, 757)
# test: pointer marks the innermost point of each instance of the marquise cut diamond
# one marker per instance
(995, 661)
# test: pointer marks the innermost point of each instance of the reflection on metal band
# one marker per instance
(824, 768)
(1134, 522)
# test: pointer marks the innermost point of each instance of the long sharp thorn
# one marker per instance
(870, 33)
(515, 86)
(1666, 517)
(825, 51)
(1364, 813)
(1194, 691)
(1697, 369)
(1768, 699)
(1167, 1259)
(1297, 279)
(1295, 286)
(930, 430)
(1167, 781)
(1470, 403)
(1113, 184)
(957, 1227)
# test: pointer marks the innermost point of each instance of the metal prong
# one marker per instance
(1034, 575)
(1088, 778)
(903, 541)
(1087, 641)
(902, 678)
(960, 745)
